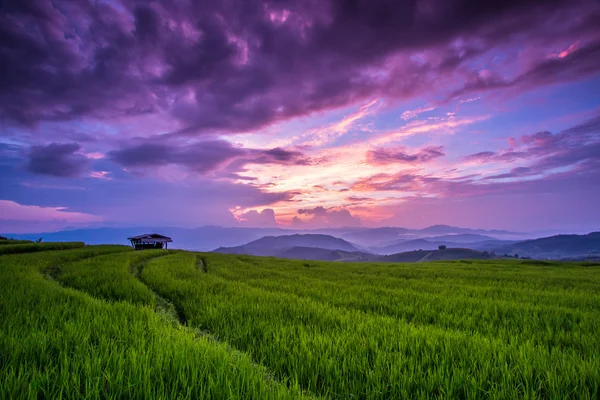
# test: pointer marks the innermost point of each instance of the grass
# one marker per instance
(106, 322)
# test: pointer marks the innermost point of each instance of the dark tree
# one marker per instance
(442, 247)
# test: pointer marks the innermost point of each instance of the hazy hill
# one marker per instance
(274, 245)
(434, 255)
(388, 236)
(471, 241)
(377, 236)
(490, 245)
(460, 238)
(555, 246)
(407, 245)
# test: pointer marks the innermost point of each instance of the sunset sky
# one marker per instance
(303, 114)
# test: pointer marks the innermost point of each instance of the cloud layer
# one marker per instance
(241, 65)
(308, 114)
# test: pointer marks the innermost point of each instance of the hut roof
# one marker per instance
(151, 237)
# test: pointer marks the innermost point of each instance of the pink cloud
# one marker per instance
(410, 114)
(10, 210)
(95, 155)
(100, 175)
(399, 155)
(569, 50)
(334, 217)
(255, 218)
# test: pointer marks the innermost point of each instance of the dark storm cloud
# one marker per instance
(278, 156)
(202, 156)
(147, 23)
(57, 159)
(239, 65)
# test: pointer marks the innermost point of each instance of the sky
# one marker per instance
(300, 114)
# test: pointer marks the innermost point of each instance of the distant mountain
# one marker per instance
(489, 245)
(275, 245)
(408, 245)
(330, 248)
(447, 229)
(376, 236)
(460, 238)
(558, 246)
(387, 236)
(465, 240)
(434, 255)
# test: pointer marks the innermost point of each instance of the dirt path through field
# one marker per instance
(163, 306)
(426, 257)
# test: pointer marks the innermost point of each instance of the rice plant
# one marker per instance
(109, 322)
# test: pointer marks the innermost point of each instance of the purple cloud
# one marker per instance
(127, 86)
(199, 157)
(483, 155)
(202, 156)
(573, 153)
(57, 159)
(399, 155)
(241, 65)
(514, 173)
(277, 156)
(578, 145)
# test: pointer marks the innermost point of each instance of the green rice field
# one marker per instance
(100, 322)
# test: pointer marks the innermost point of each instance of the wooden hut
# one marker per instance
(149, 241)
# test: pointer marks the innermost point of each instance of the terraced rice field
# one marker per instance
(108, 322)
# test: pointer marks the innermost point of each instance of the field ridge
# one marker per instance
(201, 263)
(163, 306)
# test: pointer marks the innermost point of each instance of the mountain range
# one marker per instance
(209, 237)
(358, 244)
(559, 246)
(326, 247)
(471, 241)
(329, 248)
(271, 245)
